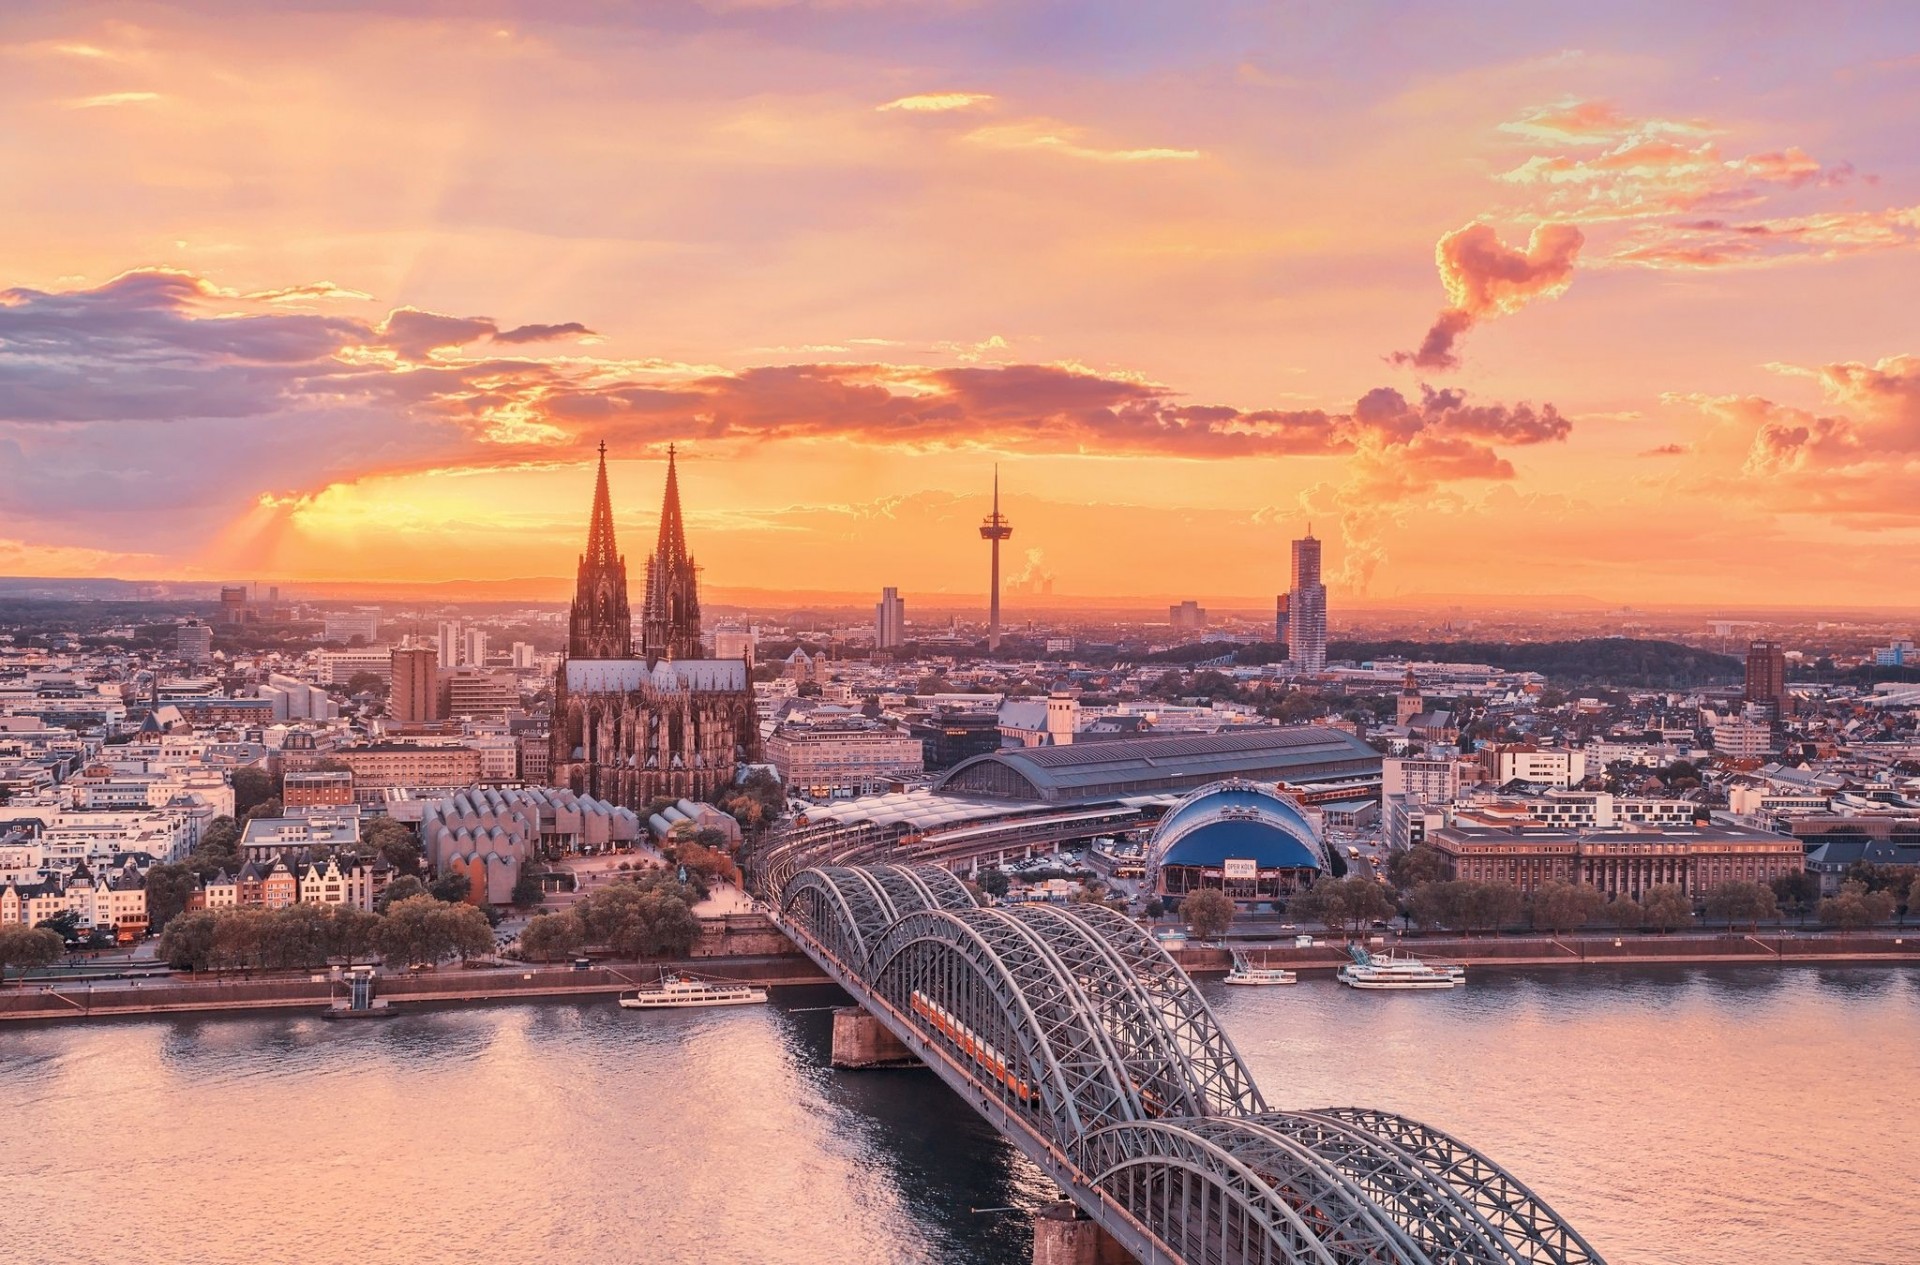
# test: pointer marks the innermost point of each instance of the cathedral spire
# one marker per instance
(670, 611)
(673, 529)
(600, 625)
(600, 545)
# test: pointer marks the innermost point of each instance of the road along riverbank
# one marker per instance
(66, 1002)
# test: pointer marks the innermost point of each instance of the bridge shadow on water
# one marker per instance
(941, 1157)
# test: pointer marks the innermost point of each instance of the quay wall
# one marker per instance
(1582, 951)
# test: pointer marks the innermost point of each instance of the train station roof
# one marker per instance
(1116, 768)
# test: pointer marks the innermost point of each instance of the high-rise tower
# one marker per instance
(995, 528)
(670, 610)
(1766, 682)
(1307, 608)
(889, 621)
(601, 624)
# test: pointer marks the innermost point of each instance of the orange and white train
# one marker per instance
(976, 1047)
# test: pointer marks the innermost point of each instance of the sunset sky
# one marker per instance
(1619, 300)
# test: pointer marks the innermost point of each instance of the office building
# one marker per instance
(1307, 608)
(890, 621)
(1187, 618)
(233, 604)
(193, 644)
(316, 788)
(416, 685)
(1767, 676)
(841, 756)
(339, 667)
(476, 694)
(1621, 861)
(362, 622)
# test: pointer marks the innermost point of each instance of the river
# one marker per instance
(1677, 1116)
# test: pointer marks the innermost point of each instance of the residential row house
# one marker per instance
(115, 900)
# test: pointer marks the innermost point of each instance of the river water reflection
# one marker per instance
(1745, 1116)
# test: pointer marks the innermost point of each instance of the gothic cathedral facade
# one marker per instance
(666, 723)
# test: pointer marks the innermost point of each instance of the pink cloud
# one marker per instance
(1485, 278)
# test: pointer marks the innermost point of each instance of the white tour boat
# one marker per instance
(687, 990)
(1387, 971)
(1245, 972)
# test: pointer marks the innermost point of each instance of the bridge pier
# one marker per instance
(1062, 1236)
(860, 1041)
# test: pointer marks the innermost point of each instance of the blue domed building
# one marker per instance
(1247, 839)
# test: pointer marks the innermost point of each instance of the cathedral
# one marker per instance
(666, 722)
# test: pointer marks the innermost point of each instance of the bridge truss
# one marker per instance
(1076, 1035)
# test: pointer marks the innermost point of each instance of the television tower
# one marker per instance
(995, 528)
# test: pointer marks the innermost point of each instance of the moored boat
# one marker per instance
(677, 990)
(1398, 971)
(1245, 972)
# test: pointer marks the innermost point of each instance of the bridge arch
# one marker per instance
(1089, 1046)
(1208, 1201)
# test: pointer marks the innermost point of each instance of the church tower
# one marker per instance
(1409, 704)
(670, 612)
(601, 624)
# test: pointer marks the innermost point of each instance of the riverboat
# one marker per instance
(1398, 972)
(1245, 972)
(677, 990)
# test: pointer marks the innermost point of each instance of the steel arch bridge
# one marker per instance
(1076, 1035)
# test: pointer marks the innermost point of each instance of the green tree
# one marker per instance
(995, 882)
(253, 786)
(65, 924)
(1881, 878)
(1913, 897)
(169, 887)
(1797, 892)
(28, 947)
(1208, 912)
(265, 808)
(1625, 913)
(549, 936)
(1345, 904)
(422, 930)
(1422, 863)
(528, 890)
(218, 849)
(1491, 906)
(1565, 907)
(355, 933)
(188, 942)
(1438, 904)
(394, 842)
(1742, 902)
(406, 887)
(1666, 908)
(671, 928)
(452, 887)
(366, 683)
(1854, 907)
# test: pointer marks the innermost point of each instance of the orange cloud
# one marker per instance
(1660, 175)
(207, 411)
(1485, 278)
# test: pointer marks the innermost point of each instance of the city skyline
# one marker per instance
(1621, 291)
